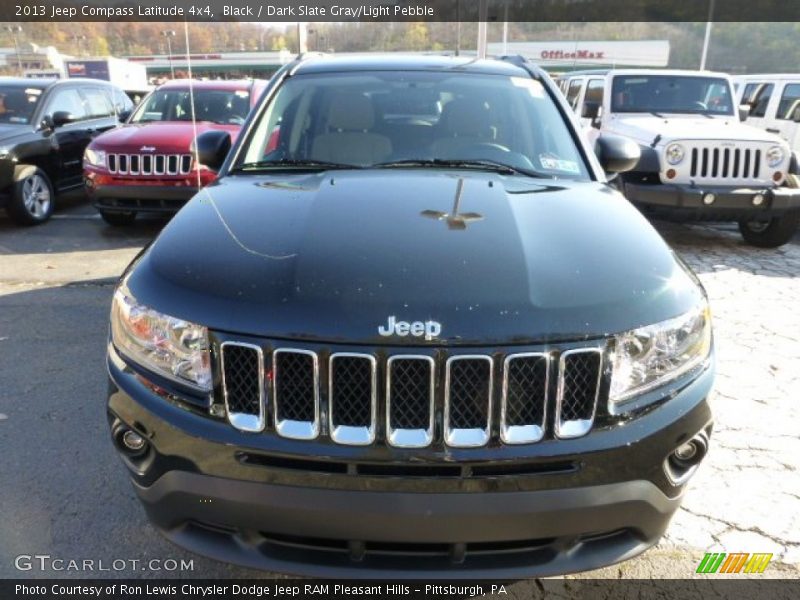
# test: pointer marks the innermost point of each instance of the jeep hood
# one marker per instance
(646, 128)
(330, 257)
(164, 136)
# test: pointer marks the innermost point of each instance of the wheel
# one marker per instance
(31, 196)
(118, 219)
(770, 233)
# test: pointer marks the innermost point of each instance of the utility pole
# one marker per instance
(505, 28)
(14, 30)
(79, 39)
(169, 33)
(483, 16)
(707, 36)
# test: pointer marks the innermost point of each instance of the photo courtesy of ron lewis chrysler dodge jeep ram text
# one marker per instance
(411, 331)
(699, 161)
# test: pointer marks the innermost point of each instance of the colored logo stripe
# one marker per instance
(721, 562)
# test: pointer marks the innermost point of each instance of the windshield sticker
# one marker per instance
(557, 164)
(33, 91)
(534, 87)
(242, 93)
(21, 120)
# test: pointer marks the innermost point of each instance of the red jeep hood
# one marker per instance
(164, 137)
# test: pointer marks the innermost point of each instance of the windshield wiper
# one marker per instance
(292, 163)
(655, 114)
(480, 164)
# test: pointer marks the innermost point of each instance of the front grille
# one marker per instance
(578, 388)
(149, 164)
(243, 385)
(352, 390)
(524, 403)
(410, 386)
(468, 400)
(296, 393)
(725, 163)
(402, 392)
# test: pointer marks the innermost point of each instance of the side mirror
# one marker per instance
(47, 123)
(212, 147)
(744, 111)
(123, 115)
(617, 154)
(62, 117)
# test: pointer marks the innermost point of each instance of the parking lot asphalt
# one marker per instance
(64, 493)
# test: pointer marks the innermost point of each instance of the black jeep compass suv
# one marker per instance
(411, 331)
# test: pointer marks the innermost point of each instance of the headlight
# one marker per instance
(775, 156)
(96, 158)
(171, 347)
(648, 357)
(674, 153)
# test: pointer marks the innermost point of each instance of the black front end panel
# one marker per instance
(400, 462)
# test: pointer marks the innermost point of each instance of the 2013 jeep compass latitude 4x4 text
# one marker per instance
(411, 331)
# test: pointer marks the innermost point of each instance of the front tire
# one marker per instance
(118, 219)
(32, 197)
(771, 233)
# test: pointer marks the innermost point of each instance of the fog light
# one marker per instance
(133, 441)
(670, 173)
(683, 461)
(708, 199)
(777, 176)
(686, 452)
(758, 199)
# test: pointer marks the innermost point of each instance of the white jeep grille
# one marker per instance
(722, 162)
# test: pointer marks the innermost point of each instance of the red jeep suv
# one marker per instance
(146, 165)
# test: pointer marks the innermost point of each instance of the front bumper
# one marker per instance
(685, 202)
(142, 198)
(590, 502)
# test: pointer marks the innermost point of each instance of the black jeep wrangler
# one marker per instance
(411, 331)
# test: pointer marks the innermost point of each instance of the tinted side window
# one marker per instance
(573, 92)
(97, 103)
(119, 99)
(789, 107)
(757, 95)
(68, 100)
(594, 91)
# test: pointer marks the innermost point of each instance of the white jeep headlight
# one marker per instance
(674, 153)
(96, 158)
(648, 357)
(171, 347)
(774, 156)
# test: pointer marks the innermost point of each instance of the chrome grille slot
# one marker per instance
(133, 164)
(725, 163)
(295, 392)
(468, 400)
(524, 402)
(172, 164)
(122, 163)
(409, 400)
(159, 165)
(243, 385)
(148, 164)
(352, 389)
(579, 373)
(186, 163)
(112, 163)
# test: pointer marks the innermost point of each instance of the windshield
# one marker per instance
(17, 104)
(414, 119)
(671, 94)
(218, 106)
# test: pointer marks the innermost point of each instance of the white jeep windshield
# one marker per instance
(671, 94)
(393, 118)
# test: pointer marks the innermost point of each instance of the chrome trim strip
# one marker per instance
(577, 427)
(532, 432)
(245, 421)
(348, 434)
(473, 437)
(297, 430)
(409, 438)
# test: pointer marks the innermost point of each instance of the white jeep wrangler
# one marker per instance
(699, 161)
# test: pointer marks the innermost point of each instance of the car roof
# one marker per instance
(767, 76)
(404, 62)
(681, 72)
(201, 84)
(43, 83)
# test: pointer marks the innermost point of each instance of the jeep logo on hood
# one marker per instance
(429, 329)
